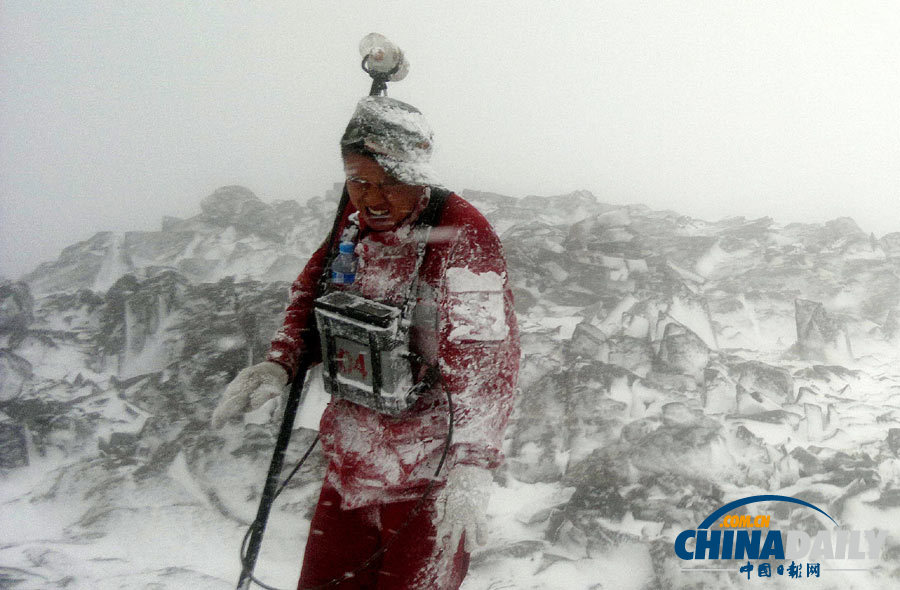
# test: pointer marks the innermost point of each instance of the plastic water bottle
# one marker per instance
(343, 269)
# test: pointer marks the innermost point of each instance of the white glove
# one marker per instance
(256, 385)
(462, 506)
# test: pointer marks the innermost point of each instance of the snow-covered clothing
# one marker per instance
(341, 540)
(255, 386)
(463, 322)
(462, 506)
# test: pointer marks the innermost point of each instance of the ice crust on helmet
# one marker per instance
(399, 137)
(393, 113)
(419, 173)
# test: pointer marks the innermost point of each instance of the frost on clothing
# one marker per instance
(476, 305)
(463, 322)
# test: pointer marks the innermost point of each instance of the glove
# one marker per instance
(256, 385)
(461, 507)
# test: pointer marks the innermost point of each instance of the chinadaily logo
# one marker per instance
(759, 548)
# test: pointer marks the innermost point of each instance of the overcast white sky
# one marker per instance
(113, 114)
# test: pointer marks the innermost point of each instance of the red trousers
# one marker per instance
(342, 540)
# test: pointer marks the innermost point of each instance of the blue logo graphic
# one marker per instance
(750, 537)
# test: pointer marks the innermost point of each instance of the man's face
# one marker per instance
(382, 201)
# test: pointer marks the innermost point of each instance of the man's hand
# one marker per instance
(462, 506)
(256, 385)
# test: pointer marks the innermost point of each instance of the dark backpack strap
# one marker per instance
(332, 242)
(431, 216)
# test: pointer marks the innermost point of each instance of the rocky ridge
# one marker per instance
(669, 365)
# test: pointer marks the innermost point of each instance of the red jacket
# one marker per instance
(465, 299)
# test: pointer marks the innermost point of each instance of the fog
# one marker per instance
(113, 114)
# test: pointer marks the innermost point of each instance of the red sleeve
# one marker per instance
(479, 339)
(298, 334)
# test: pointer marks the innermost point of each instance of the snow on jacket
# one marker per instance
(464, 323)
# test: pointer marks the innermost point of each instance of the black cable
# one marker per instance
(378, 554)
(380, 79)
(255, 524)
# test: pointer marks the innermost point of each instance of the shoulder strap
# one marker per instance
(331, 252)
(431, 216)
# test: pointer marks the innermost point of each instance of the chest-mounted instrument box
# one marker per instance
(365, 350)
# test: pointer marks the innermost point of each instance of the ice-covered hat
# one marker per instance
(396, 135)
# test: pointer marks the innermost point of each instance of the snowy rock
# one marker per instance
(588, 233)
(537, 441)
(119, 444)
(893, 440)
(815, 422)
(843, 227)
(540, 509)
(695, 447)
(13, 445)
(597, 483)
(809, 463)
(891, 327)
(843, 469)
(567, 208)
(774, 382)
(787, 470)
(535, 250)
(754, 402)
(136, 318)
(891, 244)
(228, 204)
(820, 336)
(235, 234)
(806, 396)
(638, 429)
(693, 313)
(677, 414)
(16, 308)
(601, 396)
(237, 207)
(15, 375)
(682, 351)
(636, 324)
(612, 411)
(719, 391)
(76, 268)
(589, 342)
(634, 354)
(816, 237)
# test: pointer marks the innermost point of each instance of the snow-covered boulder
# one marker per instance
(228, 204)
(820, 336)
(13, 444)
(682, 351)
(588, 342)
(16, 308)
(776, 383)
(634, 354)
(719, 392)
(15, 375)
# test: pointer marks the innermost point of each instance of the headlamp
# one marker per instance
(383, 61)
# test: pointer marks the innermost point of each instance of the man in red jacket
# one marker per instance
(380, 465)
